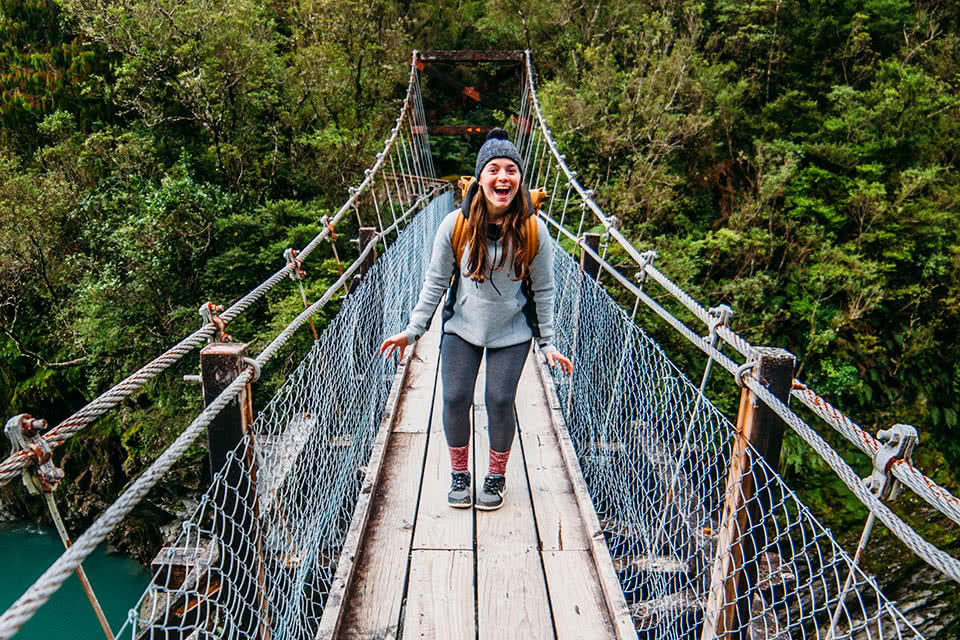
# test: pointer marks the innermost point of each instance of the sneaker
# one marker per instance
(460, 495)
(490, 497)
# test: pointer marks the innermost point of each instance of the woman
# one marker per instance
(500, 299)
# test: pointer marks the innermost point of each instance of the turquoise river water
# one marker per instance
(27, 550)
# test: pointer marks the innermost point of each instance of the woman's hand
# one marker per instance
(398, 341)
(555, 358)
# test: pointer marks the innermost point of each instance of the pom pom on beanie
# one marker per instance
(497, 145)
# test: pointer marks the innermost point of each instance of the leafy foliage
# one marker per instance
(796, 161)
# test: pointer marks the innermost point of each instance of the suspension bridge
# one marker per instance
(635, 508)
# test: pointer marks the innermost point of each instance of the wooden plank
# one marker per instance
(533, 403)
(511, 593)
(277, 456)
(373, 604)
(613, 593)
(440, 596)
(441, 55)
(558, 518)
(438, 525)
(579, 610)
(346, 567)
(513, 523)
(511, 586)
(418, 390)
(557, 515)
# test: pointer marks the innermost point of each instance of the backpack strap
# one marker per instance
(464, 185)
(532, 239)
(458, 238)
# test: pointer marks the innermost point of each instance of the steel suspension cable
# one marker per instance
(925, 487)
(51, 580)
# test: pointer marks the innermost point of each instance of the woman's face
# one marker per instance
(499, 179)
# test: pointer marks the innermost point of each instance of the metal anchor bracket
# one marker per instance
(647, 259)
(325, 221)
(614, 223)
(899, 442)
(210, 314)
(25, 434)
(720, 315)
(297, 273)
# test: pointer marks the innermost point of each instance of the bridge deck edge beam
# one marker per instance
(620, 616)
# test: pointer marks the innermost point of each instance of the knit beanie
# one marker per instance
(497, 145)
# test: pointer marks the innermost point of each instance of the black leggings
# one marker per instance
(459, 364)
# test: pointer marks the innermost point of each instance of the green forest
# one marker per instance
(795, 160)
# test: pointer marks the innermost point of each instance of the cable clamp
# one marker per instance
(899, 442)
(647, 258)
(24, 432)
(325, 221)
(209, 312)
(296, 274)
(253, 365)
(742, 371)
(720, 316)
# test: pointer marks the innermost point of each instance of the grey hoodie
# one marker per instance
(489, 313)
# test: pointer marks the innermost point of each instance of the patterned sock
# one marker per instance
(498, 461)
(460, 458)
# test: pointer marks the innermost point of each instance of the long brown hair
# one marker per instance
(512, 233)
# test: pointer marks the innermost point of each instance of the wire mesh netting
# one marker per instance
(656, 462)
(261, 550)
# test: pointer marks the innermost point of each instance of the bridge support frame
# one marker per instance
(742, 533)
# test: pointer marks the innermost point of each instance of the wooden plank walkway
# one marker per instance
(415, 568)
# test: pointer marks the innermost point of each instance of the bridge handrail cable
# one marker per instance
(930, 491)
(51, 580)
(61, 433)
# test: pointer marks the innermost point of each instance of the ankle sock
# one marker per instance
(460, 458)
(498, 461)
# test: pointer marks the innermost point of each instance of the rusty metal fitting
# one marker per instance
(742, 371)
(297, 273)
(325, 221)
(253, 365)
(209, 313)
(899, 442)
(26, 434)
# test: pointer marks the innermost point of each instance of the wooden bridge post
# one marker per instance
(220, 364)
(588, 263)
(236, 519)
(366, 236)
(747, 503)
